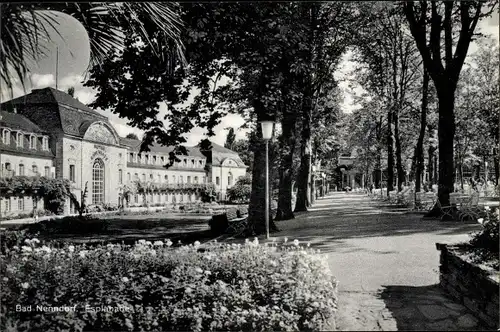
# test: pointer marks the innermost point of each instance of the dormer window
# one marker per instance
(193, 163)
(20, 140)
(146, 159)
(6, 136)
(162, 160)
(185, 162)
(45, 143)
(32, 142)
(154, 160)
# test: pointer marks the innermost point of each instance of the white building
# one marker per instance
(49, 133)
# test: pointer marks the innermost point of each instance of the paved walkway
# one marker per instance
(386, 263)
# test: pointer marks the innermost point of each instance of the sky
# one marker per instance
(73, 51)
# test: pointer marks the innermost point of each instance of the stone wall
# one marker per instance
(474, 287)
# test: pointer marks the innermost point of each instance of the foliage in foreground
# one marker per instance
(486, 242)
(151, 286)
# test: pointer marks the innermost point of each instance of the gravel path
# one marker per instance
(386, 263)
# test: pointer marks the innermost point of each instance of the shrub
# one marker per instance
(486, 242)
(69, 225)
(155, 287)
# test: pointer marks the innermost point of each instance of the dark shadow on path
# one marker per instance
(427, 308)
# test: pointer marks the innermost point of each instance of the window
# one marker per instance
(173, 178)
(47, 171)
(32, 142)
(136, 199)
(195, 179)
(143, 177)
(146, 159)
(204, 179)
(7, 205)
(136, 177)
(154, 160)
(120, 176)
(6, 136)
(188, 179)
(20, 140)
(158, 199)
(181, 179)
(21, 169)
(162, 160)
(181, 198)
(34, 168)
(72, 173)
(139, 158)
(45, 143)
(128, 177)
(120, 155)
(166, 178)
(151, 177)
(130, 157)
(20, 203)
(230, 179)
(159, 178)
(217, 180)
(193, 163)
(98, 182)
(185, 162)
(201, 163)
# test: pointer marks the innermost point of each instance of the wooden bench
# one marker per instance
(243, 212)
(236, 224)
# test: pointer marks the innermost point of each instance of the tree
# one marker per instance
(230, 139)
(445, 75)
(132, 136)
(26, 28)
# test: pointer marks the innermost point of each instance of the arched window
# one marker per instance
(6, 136)
(98, 182)
(34, 168)
(230, 179)
(195, 179)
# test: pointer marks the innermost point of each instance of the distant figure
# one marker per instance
(371, 188)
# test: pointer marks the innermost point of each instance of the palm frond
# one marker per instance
(24, 26)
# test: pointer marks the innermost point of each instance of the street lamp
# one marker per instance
(267, 133)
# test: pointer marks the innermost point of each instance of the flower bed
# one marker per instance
(474, 285)
(470, 271)
(152, 286)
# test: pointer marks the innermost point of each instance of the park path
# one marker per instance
(386, 263)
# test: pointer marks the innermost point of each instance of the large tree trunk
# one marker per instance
(304, 176)
(256, 209)
(399, 161)
(287, 146)
(419, 149)
(390, 154)
(446, 134)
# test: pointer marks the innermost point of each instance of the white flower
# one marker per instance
(109, 245)
(188, 290)
(46, 249)
(25, 285)
(247, 241)
(486, 207)
(26, 249)
(196, 244)
(125, 279)
(198, 270)
(108, 254)
(208, 272)
(158, 243)
(141, 241)
(5, 279)
(82, 253)
(286, 239)
(480, 220)
(71, 248)
(148, 243)
(169, 243)
(296, 242)
(35, 240)
(308, 244)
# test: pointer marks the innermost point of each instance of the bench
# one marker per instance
(236, 224)
(243, 212)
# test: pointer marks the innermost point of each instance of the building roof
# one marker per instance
(53, 96)
(220, 153)
(56, 111)
(18, 121)
(135, 144)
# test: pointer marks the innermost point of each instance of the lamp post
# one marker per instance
(267, 133)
